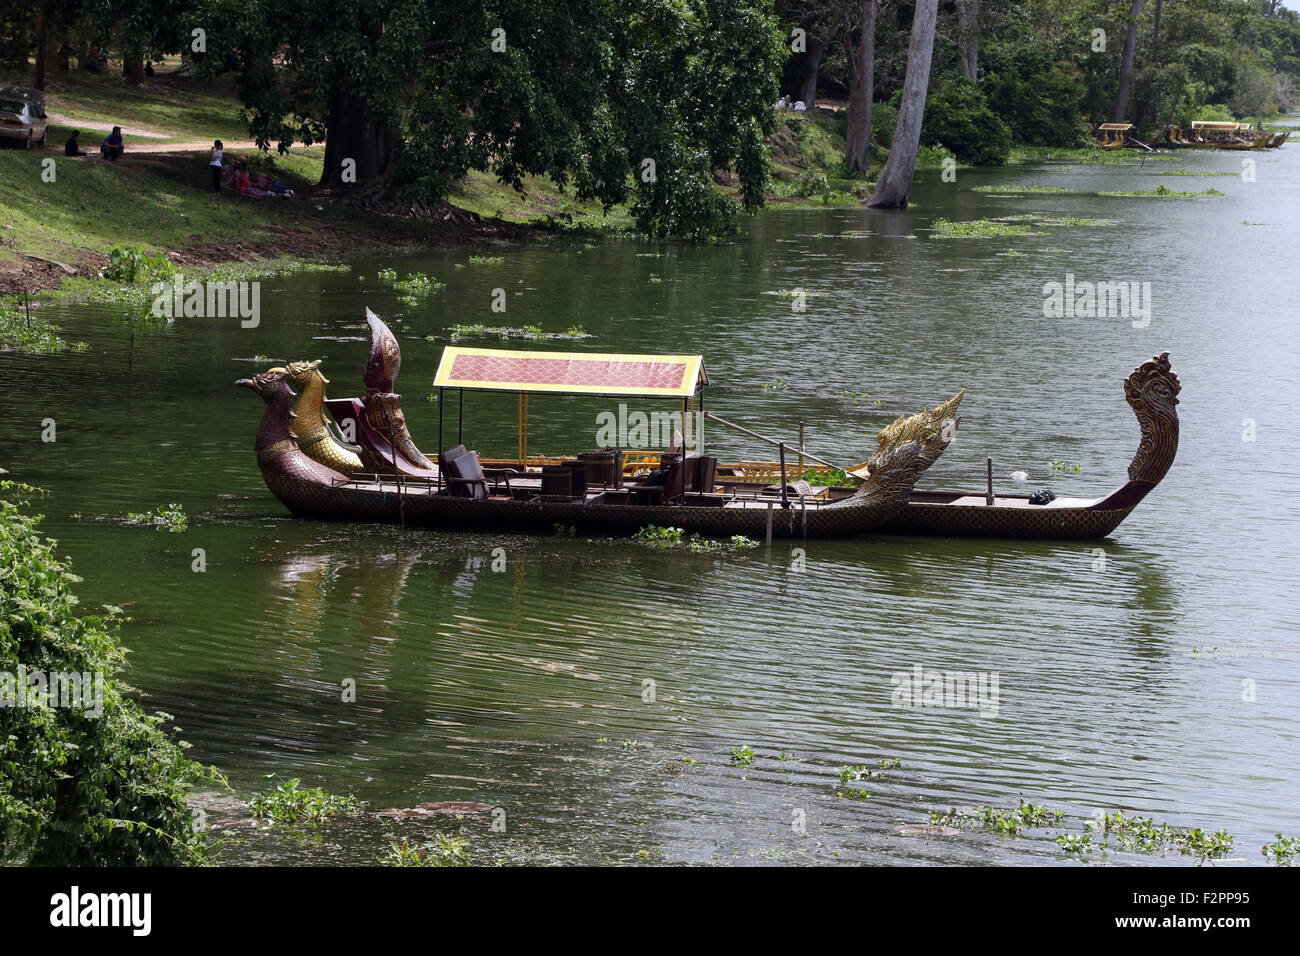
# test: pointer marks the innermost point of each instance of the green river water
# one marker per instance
(1158, 675)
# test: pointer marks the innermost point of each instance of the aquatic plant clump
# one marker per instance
(415, 282)
(533, 333)
(20, 331)
(289, 802)
(979, 229)
(171, 518)
(1018, 189)
(445, 851)
(1161, 192)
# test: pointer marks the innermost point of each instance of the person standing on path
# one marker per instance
(215, 164)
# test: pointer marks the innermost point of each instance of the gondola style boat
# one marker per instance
(1151, 391)
(1113, 135)
(588, 495)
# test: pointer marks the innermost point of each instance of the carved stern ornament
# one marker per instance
(383, 407)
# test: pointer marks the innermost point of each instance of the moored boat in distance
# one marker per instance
(1113, 135)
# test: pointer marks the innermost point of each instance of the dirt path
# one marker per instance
(139, 133)
(189, 146)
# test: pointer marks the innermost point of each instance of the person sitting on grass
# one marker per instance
(72, 147)
(112, 146)
(244, 184)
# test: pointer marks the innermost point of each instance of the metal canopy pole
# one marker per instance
(700, 438)
(441, 393)
(785, 498)
(460, 424)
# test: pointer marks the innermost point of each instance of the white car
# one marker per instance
(22, 115)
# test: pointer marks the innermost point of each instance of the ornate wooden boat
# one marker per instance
(751, 487)
(1113, 135)
(462, 493)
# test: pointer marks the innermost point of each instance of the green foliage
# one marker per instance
(1282, 850)
(131, 264)
(1161, 192)
(813, 184)
(1079, 843)
(445, 851)
(660, 537)
(836, 477)
(1039, 97)
(1143, 836)
(533, 333)
(21, 332)
(884, 120)
(288, 802)
(1005, 822)
(77, 789)
(1010, 189)
(415, 282)
(978, 229)
(582, 91)
(958, 116)
(934, 156)
(172, 518)
(742, 756)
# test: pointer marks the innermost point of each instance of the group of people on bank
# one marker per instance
(111, 148)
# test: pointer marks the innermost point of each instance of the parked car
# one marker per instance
(22, 115)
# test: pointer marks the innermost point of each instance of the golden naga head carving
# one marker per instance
(300, 373)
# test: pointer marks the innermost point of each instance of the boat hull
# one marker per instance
(996, 521)
(423, 506)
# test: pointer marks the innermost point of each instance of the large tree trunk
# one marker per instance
(353, 133)
(968, 43)
(857, 141)
(813, 65)
(1153, 106)
(896, 179)
(133, 68)
(46, 53)
(1126, 63)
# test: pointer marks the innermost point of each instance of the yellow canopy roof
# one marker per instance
(1213, 124)
(1115, 126)
(570, 373)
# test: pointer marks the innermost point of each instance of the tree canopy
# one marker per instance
(652, 102)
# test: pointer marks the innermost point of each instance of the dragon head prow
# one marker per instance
(300, 373)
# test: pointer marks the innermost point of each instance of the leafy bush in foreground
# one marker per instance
(100, 784)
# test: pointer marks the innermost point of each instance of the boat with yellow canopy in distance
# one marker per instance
(1113, 135)
(1218, 134)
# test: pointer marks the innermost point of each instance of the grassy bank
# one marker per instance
(158, 197)
(62, 221)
